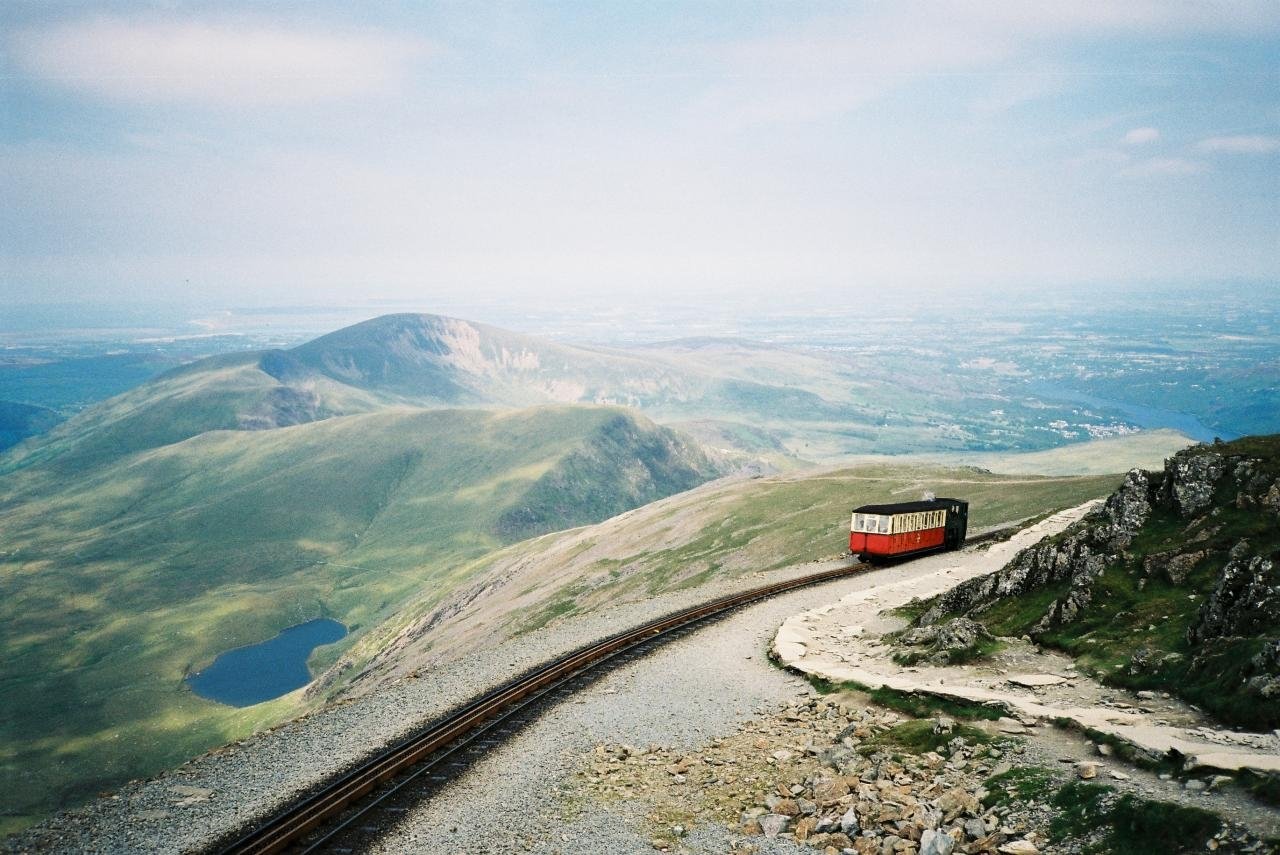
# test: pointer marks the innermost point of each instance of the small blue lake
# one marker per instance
(259, 672)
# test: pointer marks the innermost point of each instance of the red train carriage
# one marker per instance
(908, 528)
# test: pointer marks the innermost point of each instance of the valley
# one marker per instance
(438, 487)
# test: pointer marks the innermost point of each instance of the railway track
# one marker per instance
(343, 809)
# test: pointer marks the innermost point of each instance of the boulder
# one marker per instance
(773, 824)
(955, 802)
(1174, 566)
(1018, 847)
(805, 827)
(936, 843)
(827, 792)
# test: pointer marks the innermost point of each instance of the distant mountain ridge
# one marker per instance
(396, 360)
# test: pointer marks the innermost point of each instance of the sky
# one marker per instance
(313, 152)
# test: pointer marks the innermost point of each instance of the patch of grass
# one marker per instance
(1146, 827)
(1129, 824)
(983, 648)
(1019, 785)
(917, 737)
(921, 705)
(1014, 616)
(826, 687)
(912, 611)
(1080, 808)
(545, 615)
(1263, 786)
(914, 704)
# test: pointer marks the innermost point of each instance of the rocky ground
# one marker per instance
(839, 775)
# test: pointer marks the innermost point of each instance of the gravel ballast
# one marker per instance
(684, 694)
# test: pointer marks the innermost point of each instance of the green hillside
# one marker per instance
(124, 578)
(233, 392)
(722, 530)
(19, 421)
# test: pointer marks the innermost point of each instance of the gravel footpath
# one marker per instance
(231, 788)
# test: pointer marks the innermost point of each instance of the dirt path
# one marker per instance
(842, 641)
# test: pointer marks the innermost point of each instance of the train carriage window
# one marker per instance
(884, 525)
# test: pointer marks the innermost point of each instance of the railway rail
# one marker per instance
(342, 807)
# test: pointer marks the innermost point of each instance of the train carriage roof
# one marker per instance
(909, 507)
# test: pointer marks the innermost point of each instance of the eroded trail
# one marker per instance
(843, 641)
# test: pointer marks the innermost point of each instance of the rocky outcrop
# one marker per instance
(1209, 523)
(1190, 481)
(1245, 601)
(943, 643)
(1076, 557)
(1265, 682)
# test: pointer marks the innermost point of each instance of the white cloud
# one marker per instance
(1247, 144)
(239, 63)
(1158, 166)
(1141, 136)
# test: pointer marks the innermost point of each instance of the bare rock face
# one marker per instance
(1173, 565)
(1078, 556)
(1127, 509)
(1266, 669)
(1245, 601)
(1190, 480)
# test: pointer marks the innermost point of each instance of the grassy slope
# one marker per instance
(719, 530)
(19, 421)
(139, 571)
(220, 393)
